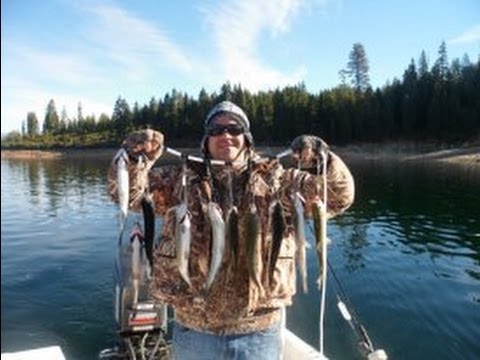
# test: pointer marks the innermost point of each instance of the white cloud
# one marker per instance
(126, 52)
(133, 43)
(470, 36)
(121, 53)
(49, 66)
(237, 25)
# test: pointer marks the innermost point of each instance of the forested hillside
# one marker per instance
(428, 103)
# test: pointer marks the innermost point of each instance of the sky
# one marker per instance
(93, 52)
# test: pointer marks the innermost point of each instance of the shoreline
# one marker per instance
(467, 156)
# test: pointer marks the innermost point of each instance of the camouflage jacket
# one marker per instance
(233, 304)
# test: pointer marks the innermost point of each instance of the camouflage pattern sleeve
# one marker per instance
(340, 185)
(310, 152)
(142, 149)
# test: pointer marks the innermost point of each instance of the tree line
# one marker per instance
(440, 102)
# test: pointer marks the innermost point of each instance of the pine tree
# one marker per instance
(357, 68)
(51, 123)
(440, 68)
(32, 124)
(122, 118)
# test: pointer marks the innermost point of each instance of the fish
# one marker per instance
(123, 188)
(254, 248)
(278, 229)
(149, 227)
(136, 246)
(232, 223)
(300, 239)
(183, 239)
(233, 234)
(319, 213)
(218, 241)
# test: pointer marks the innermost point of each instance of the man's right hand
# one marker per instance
(309, 148)
(148, 142)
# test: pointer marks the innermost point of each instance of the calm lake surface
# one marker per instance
(406, 254)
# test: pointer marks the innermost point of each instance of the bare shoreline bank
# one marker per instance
(468, 156)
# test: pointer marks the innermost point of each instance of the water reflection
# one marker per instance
(51, 183)
(427, 208)
(407, 250)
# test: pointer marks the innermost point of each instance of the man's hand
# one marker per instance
(148, 142)
(309, 149)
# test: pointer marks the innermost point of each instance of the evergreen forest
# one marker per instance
(437, 103)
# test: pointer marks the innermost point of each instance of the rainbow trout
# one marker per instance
(301, 239)
(149, 226)
(136, 246)
(232, 223)
(218, 241)
(183, 239)
(123, 187)
(278, 228)
(233, 235)
(319, 213)
(254, 248)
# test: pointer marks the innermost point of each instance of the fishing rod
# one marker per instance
(365, 344)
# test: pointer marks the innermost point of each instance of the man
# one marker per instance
(238, 313)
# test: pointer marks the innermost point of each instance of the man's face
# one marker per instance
(226, 139)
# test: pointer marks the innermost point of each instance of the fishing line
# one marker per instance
(184, 178)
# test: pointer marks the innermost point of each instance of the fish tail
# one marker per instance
(121, 223)
(261, 289)
(304, 281)
(185, 276)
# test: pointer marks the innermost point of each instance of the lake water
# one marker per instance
(406, 255)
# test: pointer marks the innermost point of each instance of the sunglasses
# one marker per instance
(232, 129)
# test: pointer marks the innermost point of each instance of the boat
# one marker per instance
(47, 353)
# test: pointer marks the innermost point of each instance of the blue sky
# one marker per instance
(92, 52)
